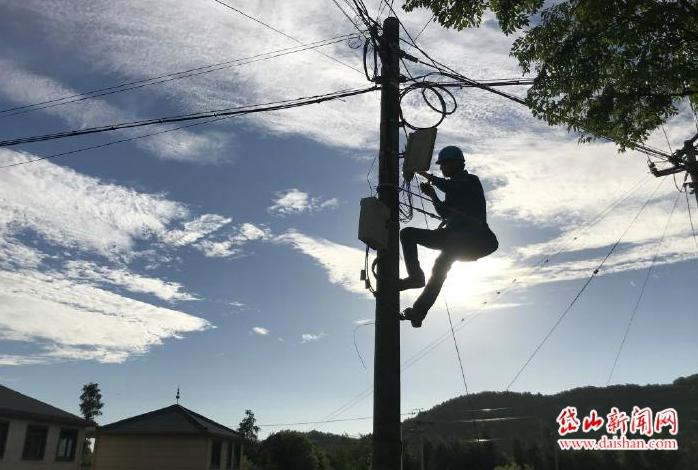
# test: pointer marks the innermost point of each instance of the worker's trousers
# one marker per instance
(456, 244)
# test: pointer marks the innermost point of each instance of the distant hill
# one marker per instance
(530, 418)
(522, 427)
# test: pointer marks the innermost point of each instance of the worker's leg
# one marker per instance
(438, 239)
(438, 276)
(409, 237)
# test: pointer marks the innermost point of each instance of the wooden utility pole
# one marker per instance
(387, 441)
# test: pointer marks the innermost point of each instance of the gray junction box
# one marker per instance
(420, 147)
(373, 223)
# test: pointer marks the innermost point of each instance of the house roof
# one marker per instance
(174, 419)
(16, 405)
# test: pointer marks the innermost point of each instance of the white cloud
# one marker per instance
(250, 232)
(14, 255)
(294, 201)
(62, 316)
(232, 245)
(196, 229)
(342, 263)
(539, 176)
(308, 337)
(86, 271)
(15, 360)
(55, 297)
(80, 212)
(258, 330)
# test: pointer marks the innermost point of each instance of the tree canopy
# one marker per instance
(91, 401)
(247, 426)
(291, 450)
(617, 69)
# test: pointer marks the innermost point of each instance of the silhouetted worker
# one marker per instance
(463, 234)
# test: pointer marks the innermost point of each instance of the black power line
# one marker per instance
(110, 143)
(288, 36)
(88, 95)
(346, 15)
(498, 295)
(450, 72)
(690, 218)
(642, 290)
(581, 291)
(240, 110)
(453, 332)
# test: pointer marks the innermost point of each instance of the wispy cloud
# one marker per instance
(80, 212)
(85, 271)
(232, 245)
(194, 230)
(61, 291)
(341, 262)
(258, 330)
(61, 316)
(308, 337)
(294, 201)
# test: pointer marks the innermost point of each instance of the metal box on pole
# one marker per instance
(420, 147)
(373, 223)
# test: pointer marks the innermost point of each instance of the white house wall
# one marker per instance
(14, 446)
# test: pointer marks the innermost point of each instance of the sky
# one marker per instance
(223, 258)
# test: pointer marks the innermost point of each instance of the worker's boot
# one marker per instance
(414, 280)
(415, 317)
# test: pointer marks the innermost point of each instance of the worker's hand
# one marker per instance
(427, 189)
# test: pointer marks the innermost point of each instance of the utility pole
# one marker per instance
(387, 440)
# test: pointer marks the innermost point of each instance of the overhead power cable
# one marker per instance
(239, 110)
(110, 143)
(416, 357)
(426, 25)
(278, 31)
(196, 71)
(441, 421)
(351, 20)
(453, 334)
(642, 290)
(450, 72)
(543, 262)
(581, 291)
(325, 421)
(690, 218)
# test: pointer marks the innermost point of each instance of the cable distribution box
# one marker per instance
(418, 152)
(373, 223)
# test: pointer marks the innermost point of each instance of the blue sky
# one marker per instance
(224, 258)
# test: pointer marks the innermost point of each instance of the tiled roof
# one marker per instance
(174, 419)
(16, 405)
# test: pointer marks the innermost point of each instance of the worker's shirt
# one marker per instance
(464, 200)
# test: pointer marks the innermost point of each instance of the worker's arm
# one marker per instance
(429, 191)
(443, 184)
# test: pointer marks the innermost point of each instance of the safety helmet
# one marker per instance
(450, 153)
